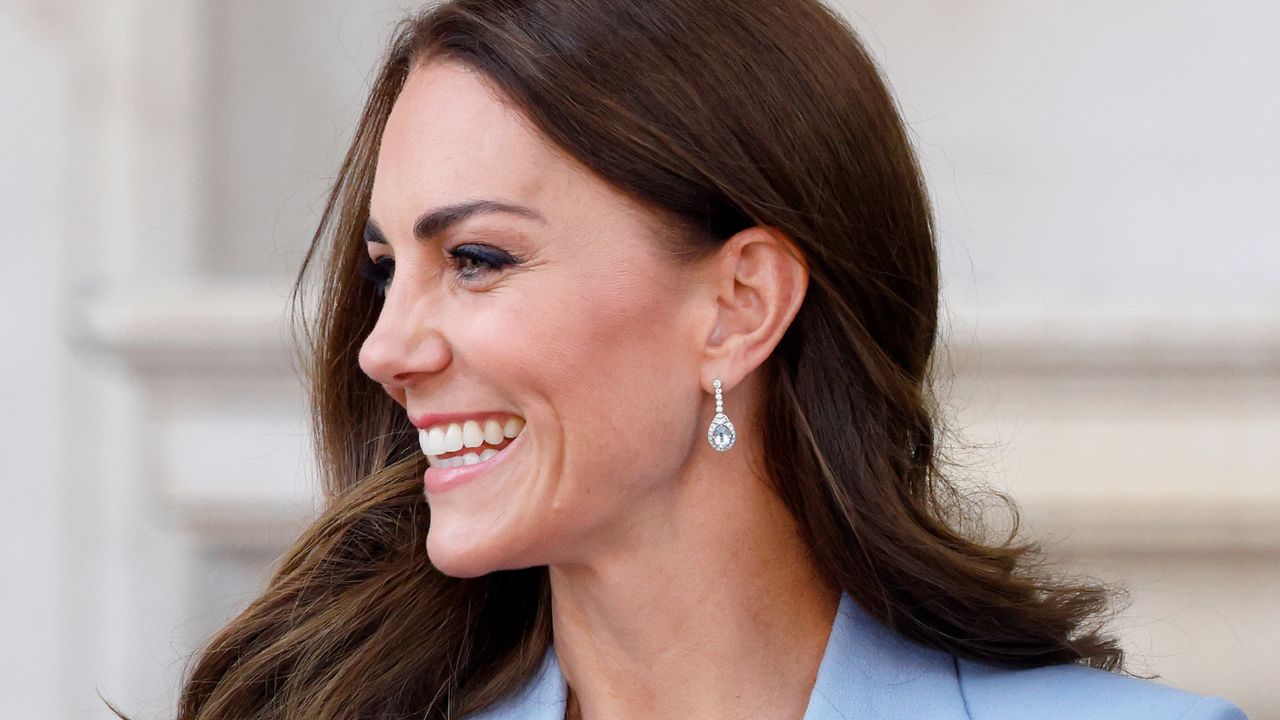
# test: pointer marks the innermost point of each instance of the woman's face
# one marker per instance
(583, 330)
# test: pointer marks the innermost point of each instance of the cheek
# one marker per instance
(622, 388)
(602, 372)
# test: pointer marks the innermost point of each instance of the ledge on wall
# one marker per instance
(243, 526)
(209, 323)
(1031, 338)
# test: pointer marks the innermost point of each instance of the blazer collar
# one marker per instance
(866, 670)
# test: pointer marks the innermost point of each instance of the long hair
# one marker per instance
(717, 115)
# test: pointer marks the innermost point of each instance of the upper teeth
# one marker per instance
(440, 439)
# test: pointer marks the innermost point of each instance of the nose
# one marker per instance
(403, 346)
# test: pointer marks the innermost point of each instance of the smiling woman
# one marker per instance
(569, 234)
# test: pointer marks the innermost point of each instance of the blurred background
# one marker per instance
(1106, 178)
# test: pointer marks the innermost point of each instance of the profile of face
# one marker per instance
(564, 314)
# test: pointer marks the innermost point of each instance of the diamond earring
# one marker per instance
(721, 434)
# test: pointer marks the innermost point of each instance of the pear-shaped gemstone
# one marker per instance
(721, 434)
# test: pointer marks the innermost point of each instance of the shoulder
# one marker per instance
(1077, 691)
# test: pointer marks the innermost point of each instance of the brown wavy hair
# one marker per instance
(717, 115)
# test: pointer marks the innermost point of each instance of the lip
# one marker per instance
(439, 479)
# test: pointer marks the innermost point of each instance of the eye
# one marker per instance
(379, 272)
(473, 262)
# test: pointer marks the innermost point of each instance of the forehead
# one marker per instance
(452, 137)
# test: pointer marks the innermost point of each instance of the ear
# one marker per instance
(759, 279)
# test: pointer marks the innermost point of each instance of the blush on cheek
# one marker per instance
(626, 358)
(630, 308)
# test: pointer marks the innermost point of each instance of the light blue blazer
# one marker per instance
(868, 671)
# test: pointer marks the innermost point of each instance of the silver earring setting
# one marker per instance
(721, 434)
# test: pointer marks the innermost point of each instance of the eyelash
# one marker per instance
(381, 271)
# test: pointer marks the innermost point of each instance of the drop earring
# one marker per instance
(721, 434)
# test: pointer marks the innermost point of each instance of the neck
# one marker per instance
(715, 611)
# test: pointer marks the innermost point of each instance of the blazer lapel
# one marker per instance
(866, 671)
(869, 671)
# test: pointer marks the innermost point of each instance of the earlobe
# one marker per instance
(761, 280)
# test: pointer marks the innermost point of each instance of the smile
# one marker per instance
(469, 443)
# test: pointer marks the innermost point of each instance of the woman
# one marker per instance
(630, 414)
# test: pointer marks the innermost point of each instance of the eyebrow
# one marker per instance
(433, 222)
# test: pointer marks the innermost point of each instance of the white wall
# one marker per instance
(35, 548)
(1093, 154)
(1104, 174)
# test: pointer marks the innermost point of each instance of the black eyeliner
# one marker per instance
(483, 253)
(378, 272)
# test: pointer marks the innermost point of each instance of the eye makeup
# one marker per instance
(471, 262)
(378, 272)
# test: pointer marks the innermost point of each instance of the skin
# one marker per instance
(680, 586)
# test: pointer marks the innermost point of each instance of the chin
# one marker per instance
(460, 553)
